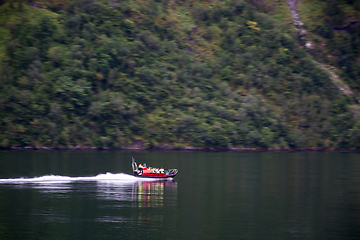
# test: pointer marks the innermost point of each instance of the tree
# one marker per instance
(74, 95)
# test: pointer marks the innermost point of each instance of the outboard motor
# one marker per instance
(135, 167)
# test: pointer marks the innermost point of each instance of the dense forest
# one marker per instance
(213, 74)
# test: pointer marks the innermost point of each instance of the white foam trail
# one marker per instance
(108, 177)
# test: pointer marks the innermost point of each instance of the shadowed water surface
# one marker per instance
(216, 195)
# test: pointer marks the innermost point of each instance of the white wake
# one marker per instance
(108, 177)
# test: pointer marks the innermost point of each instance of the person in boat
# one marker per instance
(141, 168)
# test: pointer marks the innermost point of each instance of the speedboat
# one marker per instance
(143, 171)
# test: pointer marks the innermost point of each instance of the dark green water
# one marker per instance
(216, 195)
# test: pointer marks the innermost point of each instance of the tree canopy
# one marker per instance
(193, 73)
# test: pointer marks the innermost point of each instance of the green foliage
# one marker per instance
(335, 28)
(103, 73)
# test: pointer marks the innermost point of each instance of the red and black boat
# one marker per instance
(143, 171)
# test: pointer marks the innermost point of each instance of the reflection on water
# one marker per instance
(152, 194)
(119, 187)
(116, 199)
(151, 201)
(142, 193)
(120, 197)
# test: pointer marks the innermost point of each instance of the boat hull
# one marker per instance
(155, 175)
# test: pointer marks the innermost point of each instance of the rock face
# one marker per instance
(292, 4)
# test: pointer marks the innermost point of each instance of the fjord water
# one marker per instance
(216, 195)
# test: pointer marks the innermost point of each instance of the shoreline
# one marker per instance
(171, 148)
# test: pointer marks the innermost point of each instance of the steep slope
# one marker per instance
(333, 27)
(343, 87)
(199, 73)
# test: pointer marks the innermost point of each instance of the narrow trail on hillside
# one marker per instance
(343, 87)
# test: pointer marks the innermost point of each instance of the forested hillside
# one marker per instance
(186, 73)
(334, 28)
